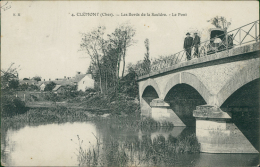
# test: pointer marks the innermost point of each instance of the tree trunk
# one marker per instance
(118, 65)
(123, 62)
(100, 84)
(106, 82)
(100, 80)
(123, 66)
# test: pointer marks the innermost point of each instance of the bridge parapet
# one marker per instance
(232, 53)
(230, 45)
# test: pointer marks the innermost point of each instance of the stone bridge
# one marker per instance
(217, 93)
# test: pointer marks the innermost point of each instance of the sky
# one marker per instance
(45, 39)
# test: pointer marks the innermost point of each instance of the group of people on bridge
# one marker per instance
(189, 43)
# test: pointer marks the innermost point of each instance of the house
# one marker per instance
(86, 82)
(42, 86)
(28, 82)
(58, 81)
(58, 88)
(83, 81)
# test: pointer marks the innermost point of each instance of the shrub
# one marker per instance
(50, 86)
(11, 105)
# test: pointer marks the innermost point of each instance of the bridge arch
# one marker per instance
(150, 82)
(189, 79)
(243, 106)
(243, 77)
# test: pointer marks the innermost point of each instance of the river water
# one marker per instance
(58, 145)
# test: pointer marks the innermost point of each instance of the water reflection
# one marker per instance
(58, 145)
(47, 145)
(175, 132)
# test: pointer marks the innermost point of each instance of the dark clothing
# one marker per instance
(188, 42)
(196, 43)
(188, 53)
(196, 40)
(196, 51)
(187, 46)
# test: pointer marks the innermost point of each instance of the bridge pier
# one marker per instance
(161, 111)
(217, 134)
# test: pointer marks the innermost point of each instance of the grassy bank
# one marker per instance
(47, 115)
(130, 122)
(146, 152)
(62, 115)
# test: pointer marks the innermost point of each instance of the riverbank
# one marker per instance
(61, 114)
(146, 151)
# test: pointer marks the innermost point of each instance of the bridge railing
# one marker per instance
(246, 34)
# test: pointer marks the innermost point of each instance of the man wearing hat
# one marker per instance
(196, 44)
(187, 45)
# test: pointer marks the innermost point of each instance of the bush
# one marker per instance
(50, 86)
(11, 105)
(89, 90)
(50, 96)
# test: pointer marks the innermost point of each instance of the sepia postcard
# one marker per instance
(130, 83)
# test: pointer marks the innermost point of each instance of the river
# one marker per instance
(58, 145)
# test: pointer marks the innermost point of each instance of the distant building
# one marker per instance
(86, 82)
(82, 81)
(58, 88)
(28, 82)
(42, 86)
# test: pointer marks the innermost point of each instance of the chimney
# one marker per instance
(64, 77)
(78, 72)
(49, 79)
(43, 79)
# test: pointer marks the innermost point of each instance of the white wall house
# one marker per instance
(42, 86)
(85, 82)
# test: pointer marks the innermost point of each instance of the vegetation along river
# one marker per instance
(104, 143)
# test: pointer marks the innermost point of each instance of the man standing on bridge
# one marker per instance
(196, 44)
(187, 45)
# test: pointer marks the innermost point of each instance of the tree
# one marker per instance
(147, 62)
(129, 33)
(220, 22)
(50, 86)
(8, 76)
(95, 46)
(70, 91)
(24, 87)
(121, 39)
(89, 71)
(37, 78)
(10, 105)
(14, 84)
(51, 96)
(33, 87)
(109, 66)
